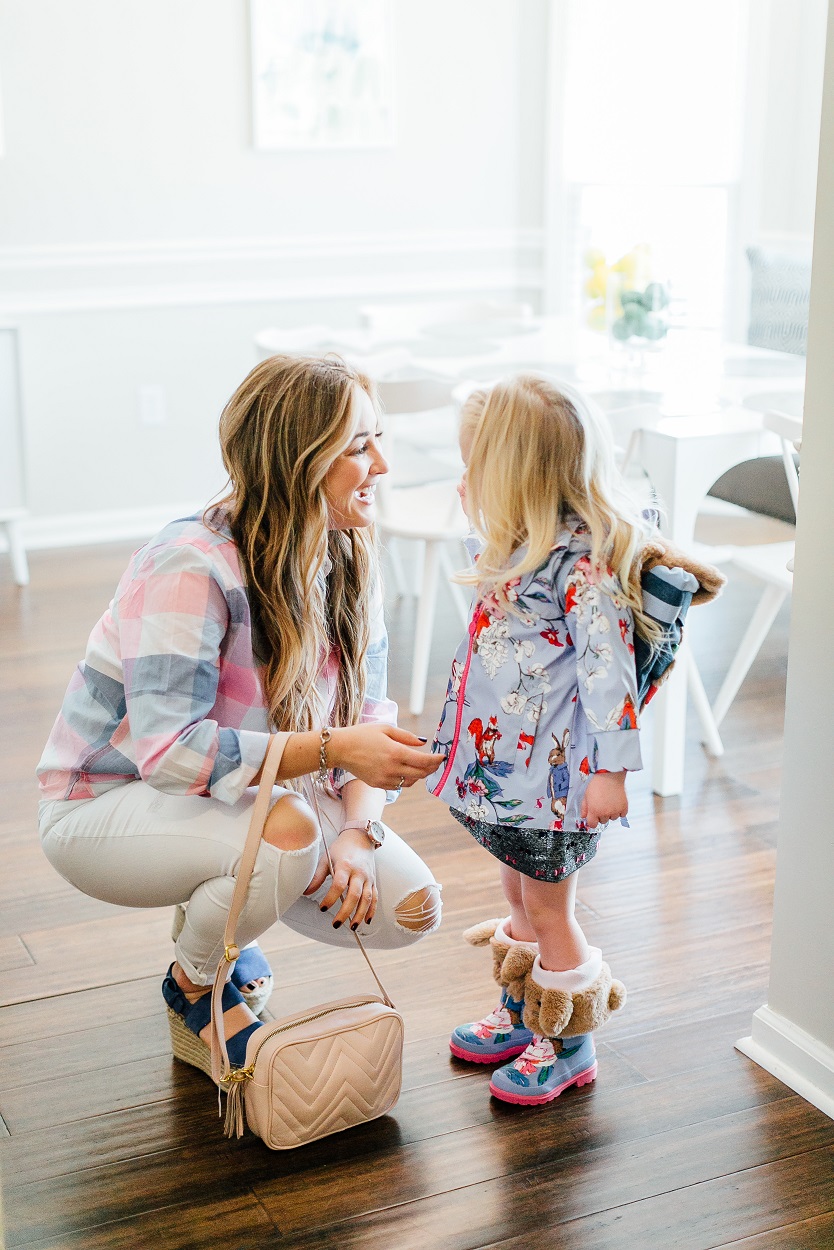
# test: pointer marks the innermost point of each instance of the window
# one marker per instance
(652, 99)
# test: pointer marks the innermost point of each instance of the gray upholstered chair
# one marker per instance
(780, 288)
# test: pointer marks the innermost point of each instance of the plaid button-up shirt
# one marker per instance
(168, 690)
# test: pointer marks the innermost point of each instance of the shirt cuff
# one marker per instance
(616, 751)
(379, 712)
(252, 746)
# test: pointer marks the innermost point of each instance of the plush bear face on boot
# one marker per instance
(511, 962)
(558, 1013)
(550, 1013)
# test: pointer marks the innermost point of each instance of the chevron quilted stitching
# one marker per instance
(326, 1084)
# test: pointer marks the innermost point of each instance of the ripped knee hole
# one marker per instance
(419, 912)
(291, 825)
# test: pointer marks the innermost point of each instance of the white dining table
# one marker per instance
(707, 397)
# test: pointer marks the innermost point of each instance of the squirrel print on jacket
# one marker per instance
(558, 781)
(485, 738)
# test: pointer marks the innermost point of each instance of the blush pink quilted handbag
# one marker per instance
(314, 1073)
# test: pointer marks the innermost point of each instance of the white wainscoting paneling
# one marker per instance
(170, 273)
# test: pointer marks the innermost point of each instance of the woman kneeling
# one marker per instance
(264, 614)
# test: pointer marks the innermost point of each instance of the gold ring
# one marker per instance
(401, 783)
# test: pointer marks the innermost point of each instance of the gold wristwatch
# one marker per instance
(373, 829)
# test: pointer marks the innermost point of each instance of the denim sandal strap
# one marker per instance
(196, 1015)
(236, 1046)
(251, 964)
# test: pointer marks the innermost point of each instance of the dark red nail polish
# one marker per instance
(322, 909)
(354, 927)
(367, 921)
(337, 924)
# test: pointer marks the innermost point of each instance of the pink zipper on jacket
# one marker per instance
(459, 714)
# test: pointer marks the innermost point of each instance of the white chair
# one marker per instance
(627, 423)
(771, 564)
(17, 552)
(428, 514)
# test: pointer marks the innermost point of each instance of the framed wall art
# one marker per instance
(322, 74)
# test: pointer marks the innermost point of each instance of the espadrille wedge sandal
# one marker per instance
(186, 1020)
(251, 966)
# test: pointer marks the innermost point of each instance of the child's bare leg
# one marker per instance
(519, 926)
(549, 908)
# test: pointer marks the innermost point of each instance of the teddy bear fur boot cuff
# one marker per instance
(572, 1003)
(511, 960)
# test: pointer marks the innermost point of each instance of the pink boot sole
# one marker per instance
(495, 1057)
(582, 1078)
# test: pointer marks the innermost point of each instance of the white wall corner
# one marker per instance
(794, 1057)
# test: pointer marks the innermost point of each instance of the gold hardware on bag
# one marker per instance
(231, 953)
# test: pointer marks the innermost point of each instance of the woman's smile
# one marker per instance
(351, 481)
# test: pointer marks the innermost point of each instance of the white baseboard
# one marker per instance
(794, 1057)
(81, 529)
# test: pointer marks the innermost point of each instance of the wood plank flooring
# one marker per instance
(106, 1142)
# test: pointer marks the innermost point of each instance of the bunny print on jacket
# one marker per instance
(558, 783)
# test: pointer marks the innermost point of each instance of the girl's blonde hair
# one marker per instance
(541, 456)
(280, 432)
(469, 418)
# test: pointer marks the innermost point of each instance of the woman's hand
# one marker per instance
(354, 879)
(383, 756)
(605, 799)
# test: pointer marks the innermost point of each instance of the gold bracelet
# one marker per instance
(324, 738)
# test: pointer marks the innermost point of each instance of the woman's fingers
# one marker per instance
(417, 765)
(354, 889)
(319, 876)
(365, 900)
(352, 899)
(337, 889)
(383, 756)
(404, 735)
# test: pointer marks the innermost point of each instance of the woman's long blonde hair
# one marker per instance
(541, 456)
(280, 432)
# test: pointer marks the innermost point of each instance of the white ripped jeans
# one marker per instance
(138, 847)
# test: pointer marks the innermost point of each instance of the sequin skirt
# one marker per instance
(544, 854)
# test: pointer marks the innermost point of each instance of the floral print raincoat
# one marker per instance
(540, 698)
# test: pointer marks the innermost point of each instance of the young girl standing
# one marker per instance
(540, 723)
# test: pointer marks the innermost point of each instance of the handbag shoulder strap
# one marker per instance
(220, 1066)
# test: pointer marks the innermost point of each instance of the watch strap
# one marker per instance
(356, 824)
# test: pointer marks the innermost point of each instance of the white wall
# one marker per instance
(143, 239)
(793, 1035)
(130, 121)
(791, 122)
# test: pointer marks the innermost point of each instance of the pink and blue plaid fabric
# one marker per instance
(168, 690)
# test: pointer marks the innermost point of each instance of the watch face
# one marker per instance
(376, 832)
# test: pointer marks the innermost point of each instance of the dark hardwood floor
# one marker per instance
(106, 1141)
